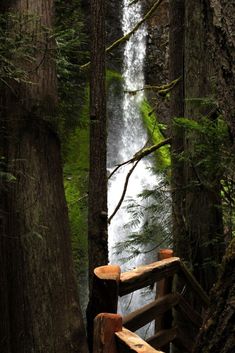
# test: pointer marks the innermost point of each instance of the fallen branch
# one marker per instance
(161, 89)
(133, 2)
(141, 154)
(124, 191)
(136, 159)
(128, 35)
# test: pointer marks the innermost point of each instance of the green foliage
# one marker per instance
(73, 114)
(18, 46)
(155, 132)
(71, 52)
(211, 156)
(112, 75)
(209, 143)
(76, 169)
(150, 225)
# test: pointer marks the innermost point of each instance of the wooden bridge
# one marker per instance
(114, 334)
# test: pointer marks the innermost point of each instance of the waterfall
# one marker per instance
(127, 135)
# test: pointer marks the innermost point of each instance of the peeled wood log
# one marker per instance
(162, 338)
(149, 312)
(145, 275)
(104, 296)
(164, 287)
(106, 283)
(129, 342)
(105, 326)
(195, 286)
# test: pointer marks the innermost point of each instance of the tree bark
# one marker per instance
(39, 298)
(204, 221)
(221, 42)
(98, 252)
(176, 70)
(97, 204)
(217, 334)
(197, 212)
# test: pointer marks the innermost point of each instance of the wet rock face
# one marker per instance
(157, 58)
(113, 22)
(113, 32)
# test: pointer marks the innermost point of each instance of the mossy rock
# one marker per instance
(154, 129)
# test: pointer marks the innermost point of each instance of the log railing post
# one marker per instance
(164, 287)
(105, 326)
(104, 296)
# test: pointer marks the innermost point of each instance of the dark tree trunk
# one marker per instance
(217, 334)
(97, 205)
(98, 253)
(40, 309)
(176, 70)
(203, 198)
(220, 30)
(197, 213)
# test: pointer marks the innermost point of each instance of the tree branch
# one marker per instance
(137, 157)
(124, 38)
(124, 191)
(160, 89)
(142, 153)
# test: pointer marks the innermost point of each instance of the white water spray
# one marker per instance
(127, 136)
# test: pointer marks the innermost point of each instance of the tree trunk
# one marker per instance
(39, 298)
(203, 200)
(220, 30)
(176, 68)
(98, 253)
(217, 334)
(97, 204)
(197, 213)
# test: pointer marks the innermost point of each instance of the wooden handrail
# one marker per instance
(164, 287)
(163, 337)
(188, 277)
(146, 275)
(105, 326)
(149, 312)
(109, 283)
(174, 335)
(191, 314)
(129, 342)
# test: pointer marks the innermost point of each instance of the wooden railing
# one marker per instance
(109, 283)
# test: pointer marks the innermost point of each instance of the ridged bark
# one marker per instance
(218, 331)
(204, 221)
(40, 309)
(97, 204)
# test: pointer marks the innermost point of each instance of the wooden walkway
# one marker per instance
(114, 334)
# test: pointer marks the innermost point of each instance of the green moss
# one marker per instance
(162, 155)
(112, 75)
(76, 173)
(76, 169)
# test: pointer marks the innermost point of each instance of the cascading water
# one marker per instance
(127, 136)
